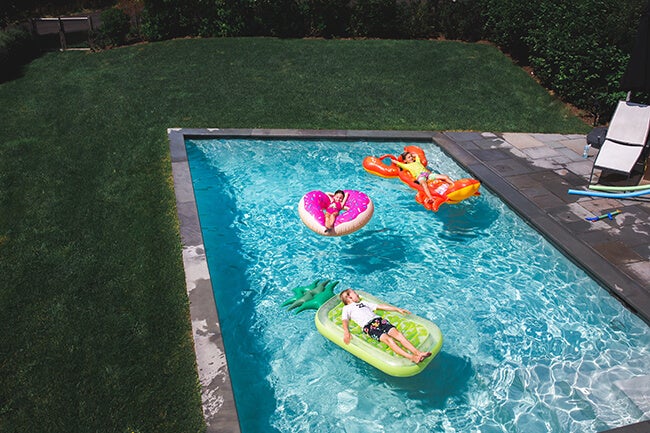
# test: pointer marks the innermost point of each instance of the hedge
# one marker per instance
(17, 48)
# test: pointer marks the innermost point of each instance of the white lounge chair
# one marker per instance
(626, 138)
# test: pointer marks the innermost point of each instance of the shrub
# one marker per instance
(283, 18)
(153, 26)
(168, 19)
(328, 18)
(419, 19)
(460, 19)
(507, 23)
(216, 20)
(114, 29)
(376, 18)
(17, 48)
(581, 57)
(226, 18)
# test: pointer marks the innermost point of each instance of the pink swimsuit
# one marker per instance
(334, 207)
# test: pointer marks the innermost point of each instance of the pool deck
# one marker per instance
(530, 172)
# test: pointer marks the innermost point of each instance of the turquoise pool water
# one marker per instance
(532, 344)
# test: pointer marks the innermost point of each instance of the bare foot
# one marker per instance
(420, 357)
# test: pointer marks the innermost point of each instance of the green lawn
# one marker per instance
(94, 327)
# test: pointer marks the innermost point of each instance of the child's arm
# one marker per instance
(399, 164)
(386, 307)
(345, 198)
(346, 331)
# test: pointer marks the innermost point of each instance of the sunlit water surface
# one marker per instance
(532, 344)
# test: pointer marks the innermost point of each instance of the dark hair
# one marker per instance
(403, 155)
(339, 191)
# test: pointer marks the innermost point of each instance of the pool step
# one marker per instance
(638, 391)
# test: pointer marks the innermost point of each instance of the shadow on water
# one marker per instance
(446, 378)
(234, 297)
(466, 221)
(372, 250)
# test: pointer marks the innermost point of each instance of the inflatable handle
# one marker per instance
(376, 166)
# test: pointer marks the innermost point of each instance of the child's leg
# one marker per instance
(385, 338)
(329, 220)
(397, 335)
(425, 187)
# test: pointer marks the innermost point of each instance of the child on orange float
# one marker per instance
(432, 190)
(420, 173)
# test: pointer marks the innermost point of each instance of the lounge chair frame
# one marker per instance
(627, 142)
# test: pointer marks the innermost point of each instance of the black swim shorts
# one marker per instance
(377, 327)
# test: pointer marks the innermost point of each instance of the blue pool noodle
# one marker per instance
(609, 194)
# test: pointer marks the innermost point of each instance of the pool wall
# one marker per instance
(218, 400)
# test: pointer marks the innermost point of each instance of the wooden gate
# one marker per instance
(73, 32)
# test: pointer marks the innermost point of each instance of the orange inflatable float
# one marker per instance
(442, 192)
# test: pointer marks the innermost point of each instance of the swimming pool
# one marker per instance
(531, 343)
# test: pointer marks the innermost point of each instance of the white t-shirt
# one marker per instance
(360, 312)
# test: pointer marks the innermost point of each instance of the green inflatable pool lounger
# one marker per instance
(424, 334)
